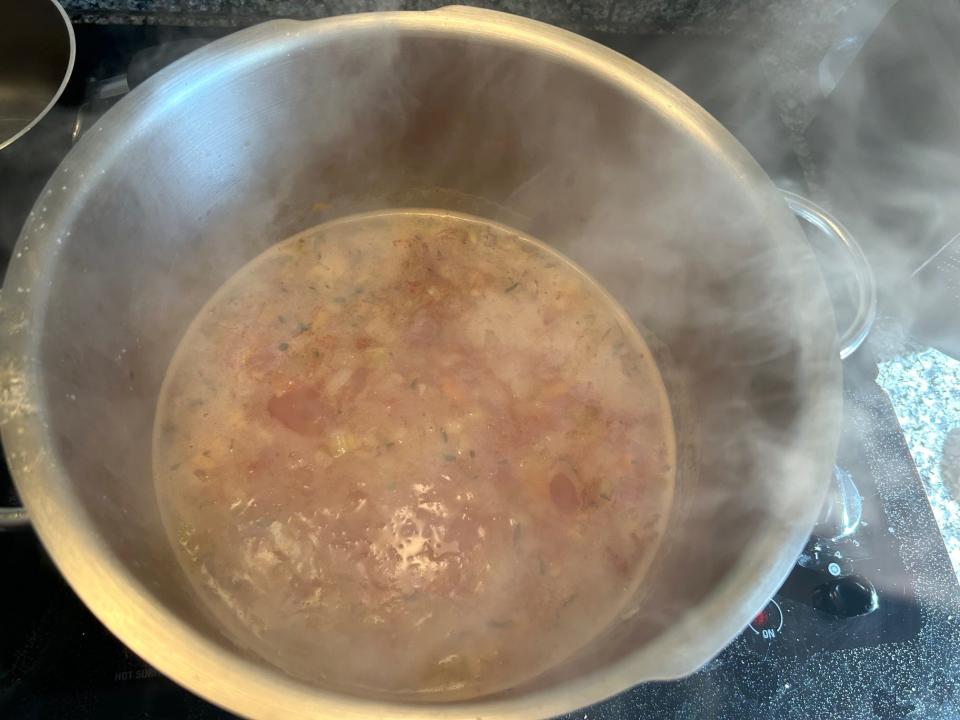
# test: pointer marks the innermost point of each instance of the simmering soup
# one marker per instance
(413, 453)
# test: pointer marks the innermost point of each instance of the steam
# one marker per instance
(891, 176)
(316, 134)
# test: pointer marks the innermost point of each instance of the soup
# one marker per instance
(413, 453)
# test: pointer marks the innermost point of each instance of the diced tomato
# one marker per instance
(301, 409)
(564, 494)
(355, 385)
(453, 388)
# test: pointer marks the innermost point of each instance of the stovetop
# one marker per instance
(866, 626)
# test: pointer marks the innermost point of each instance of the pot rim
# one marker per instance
(210, 669)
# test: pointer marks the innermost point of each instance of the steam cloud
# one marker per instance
(627, 209)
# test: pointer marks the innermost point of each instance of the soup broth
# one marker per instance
(413, 453)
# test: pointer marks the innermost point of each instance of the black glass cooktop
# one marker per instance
(866, 626)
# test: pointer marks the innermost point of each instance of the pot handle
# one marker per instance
(856, 332)
(13, 518)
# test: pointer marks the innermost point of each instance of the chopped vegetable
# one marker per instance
(438, 468)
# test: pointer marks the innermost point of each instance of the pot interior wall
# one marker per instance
(262, 146)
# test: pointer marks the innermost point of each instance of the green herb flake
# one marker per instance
(339, 300)
(449, 458)
(512, 287)
(284, 346)
(443, 434)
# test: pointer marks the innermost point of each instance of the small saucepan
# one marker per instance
(37, 51)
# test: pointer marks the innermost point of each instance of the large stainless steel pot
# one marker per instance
(279, 127)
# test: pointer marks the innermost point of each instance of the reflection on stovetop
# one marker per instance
(866, 626)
